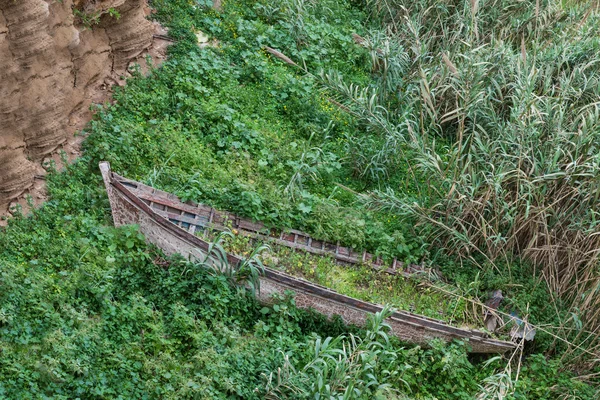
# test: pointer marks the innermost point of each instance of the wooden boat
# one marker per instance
(176, 227)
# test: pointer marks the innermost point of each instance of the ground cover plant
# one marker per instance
(232, 128)
(425, 292)
(91, 312)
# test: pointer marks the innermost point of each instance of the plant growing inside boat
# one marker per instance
(246, 275)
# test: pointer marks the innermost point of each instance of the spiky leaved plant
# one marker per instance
(244, 276)
(344, 367)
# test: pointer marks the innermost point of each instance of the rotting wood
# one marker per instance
(131, 204)
(205, 217)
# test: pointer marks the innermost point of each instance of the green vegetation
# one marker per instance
(511, 90)
(89, 19)
(457, 134)
(90, 311)
(361, 282)
(233, 128)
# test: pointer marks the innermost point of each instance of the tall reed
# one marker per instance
(497, 104)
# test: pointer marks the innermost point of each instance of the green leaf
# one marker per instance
(305, 208)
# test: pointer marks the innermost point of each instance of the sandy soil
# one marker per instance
(25, 173)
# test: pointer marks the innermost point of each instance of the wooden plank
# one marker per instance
(303, 240)
(250, 226)
(329, 247)
(169, 203)
(288, 237)
(204, 211)
(344, 251)
(316, 244)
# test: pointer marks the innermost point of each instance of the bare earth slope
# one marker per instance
(52, 68)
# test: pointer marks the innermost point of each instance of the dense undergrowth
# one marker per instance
(510, 89)
(90, 311)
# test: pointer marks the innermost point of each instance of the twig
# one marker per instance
(164, 37)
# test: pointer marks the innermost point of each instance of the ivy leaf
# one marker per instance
(305, 208)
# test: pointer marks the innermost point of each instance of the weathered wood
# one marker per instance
(129, 207)
(291, 238)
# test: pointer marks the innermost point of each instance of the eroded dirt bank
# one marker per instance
(56, 59)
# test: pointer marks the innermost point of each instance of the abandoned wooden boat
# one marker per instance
(174, 227)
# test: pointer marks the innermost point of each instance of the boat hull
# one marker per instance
(128, 208)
